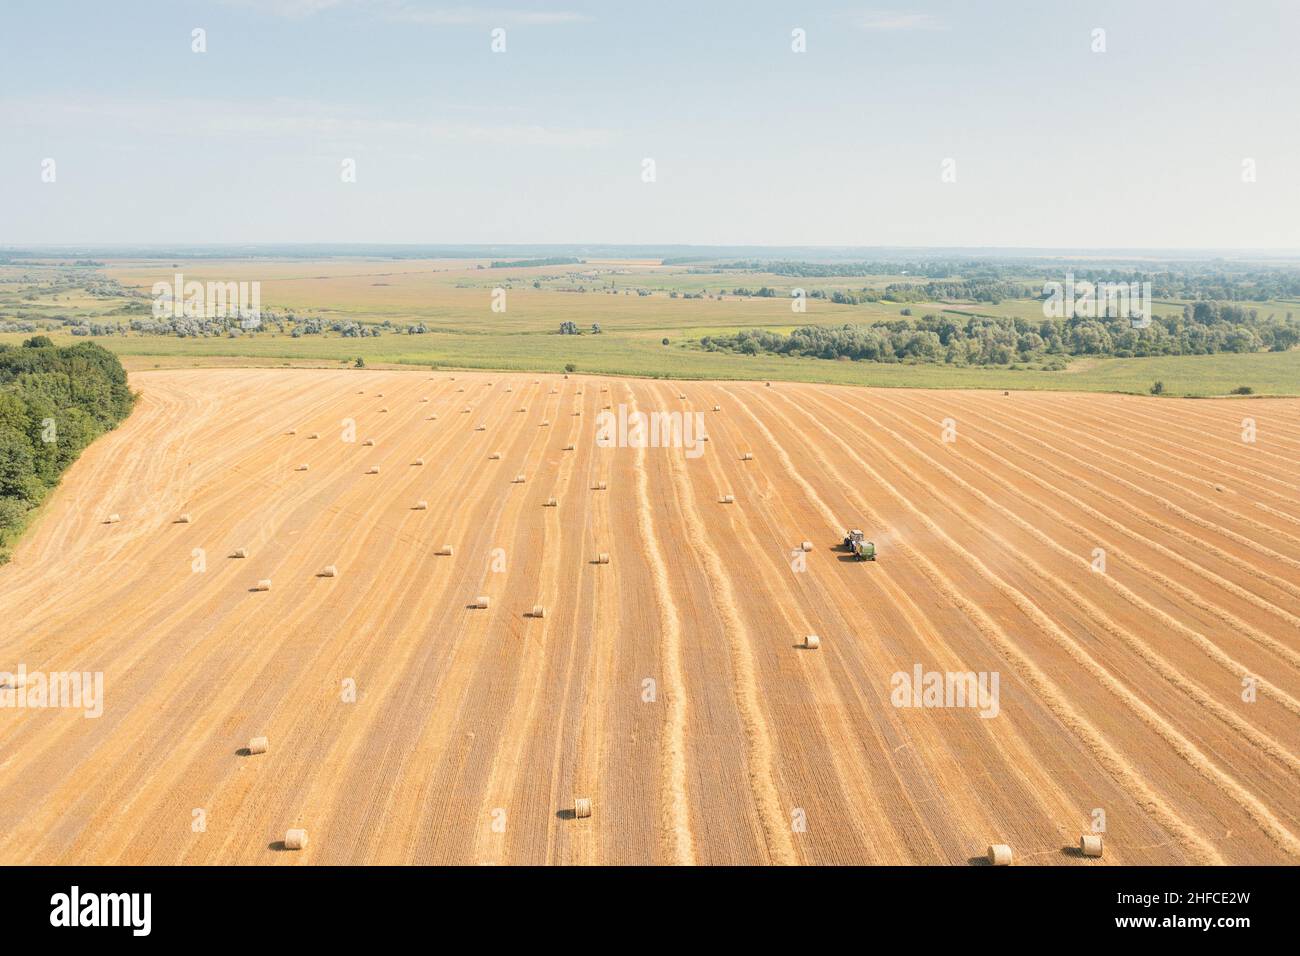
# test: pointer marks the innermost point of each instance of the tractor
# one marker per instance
(862, 549)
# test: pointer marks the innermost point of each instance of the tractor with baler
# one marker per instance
(859, 546)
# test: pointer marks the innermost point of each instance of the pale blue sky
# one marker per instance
(1140, 146)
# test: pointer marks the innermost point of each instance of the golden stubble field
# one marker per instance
(667, 685)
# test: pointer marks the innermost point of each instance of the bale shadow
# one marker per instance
(277, 846)
(979, 861)
(566, 814)
(1073, 851)
(243, 752)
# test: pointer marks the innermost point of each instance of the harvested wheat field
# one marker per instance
(1129, 569)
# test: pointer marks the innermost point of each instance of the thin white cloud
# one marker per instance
(277, 118)
(413, 11)
(888, 20)
(472, 16)
(288, 8)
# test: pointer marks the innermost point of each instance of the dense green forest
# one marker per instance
(53, 403)
(986, 280)
(962, 339)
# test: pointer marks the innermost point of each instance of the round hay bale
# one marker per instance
(999, 854)
(184, 519)
(582, 808)
(421, 505)
(1090, 844)
(717, 408)
(313, 435)
(600, 486)
(382, 410)
(728, 499)
(329, 571)
(239, 553)
(495, 456)
(465, 410)
(480, 428)
(263, 585)
(568, 447)
(539, 611)
(523, 409)
(747, 456)
(446, 550)
(518, 480)
(295, 839)
(550, 503)
(805, 546)
(292, 431)
(682, 396)
(302, 467)
(379, 394)
(372, 470)
(424, 398)
(577, 413)
(545, 422)
(602, 558)
(481, 602)
(257, 745)
(417, 463)
(432, 418)
(368, 443)
(812, 642)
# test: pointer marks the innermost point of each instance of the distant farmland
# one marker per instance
(452, 301)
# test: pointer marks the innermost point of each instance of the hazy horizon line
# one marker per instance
(592, 247)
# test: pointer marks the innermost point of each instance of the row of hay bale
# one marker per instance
(264, 584)
(1090, 845)
(295, 838)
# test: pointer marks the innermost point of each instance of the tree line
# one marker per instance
(53, 403)
(962, 339)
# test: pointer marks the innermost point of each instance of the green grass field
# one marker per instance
(616, 353)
